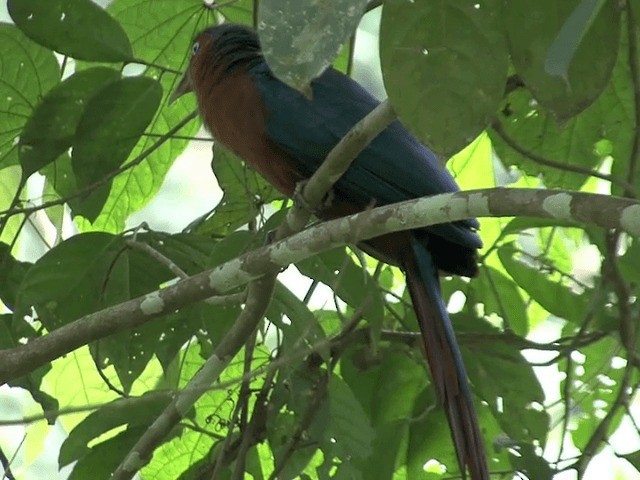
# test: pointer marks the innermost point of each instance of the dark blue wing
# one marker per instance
(393, 168)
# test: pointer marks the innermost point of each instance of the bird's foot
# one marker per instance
(300, 199)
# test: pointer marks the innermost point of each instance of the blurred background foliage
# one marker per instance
(543, 94)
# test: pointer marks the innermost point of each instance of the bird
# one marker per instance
(285, 136)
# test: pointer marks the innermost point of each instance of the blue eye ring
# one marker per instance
(195, 48)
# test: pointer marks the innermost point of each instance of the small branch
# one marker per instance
(499, 129)
(158, 256)
(6, 465)
(338, 161)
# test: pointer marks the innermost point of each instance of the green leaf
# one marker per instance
(111, 124)
(564, 47)
(134, 412)
(245, 192)
(67, 282)
(552, 295)
(302, 324)
(51, 128)
(500, 295)
(77, 28)
(349, 433)
(28, 72)
(12, 273)
(161, 33)
(104, 458)
(456, 53)
(531, 30)
(594, 382)
(506, 382)
(110, 127)
(299, 46)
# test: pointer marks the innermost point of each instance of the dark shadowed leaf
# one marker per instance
(133, 412)
(102, 460)
(530, 463)
(348, 280)
(500, 296)
(298, 46)
(68, 281)
(531, 30)
(509, 386)
(245, 192)
(51, 128)
(552, 295)
(77, 28)
(633, 458)
(456, 53)
(13, 333)
(12, 273)
(28, 72)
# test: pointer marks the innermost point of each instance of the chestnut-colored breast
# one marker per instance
(233, 112)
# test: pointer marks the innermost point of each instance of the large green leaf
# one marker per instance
(77, 28)
(300, 45)
(161, 32)
(133, 412)
(68, 281)
(28, 72)
(110, 127)
(50, 130)
(444, 66)
(111, 124)
(532, 28)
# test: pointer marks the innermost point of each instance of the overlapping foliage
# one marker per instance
(524, 94)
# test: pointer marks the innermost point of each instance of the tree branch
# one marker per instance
(602, 210)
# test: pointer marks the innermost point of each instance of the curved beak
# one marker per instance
(184, 86)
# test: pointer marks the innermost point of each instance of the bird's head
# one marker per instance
(216, 51)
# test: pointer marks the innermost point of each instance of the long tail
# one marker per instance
(445, 361)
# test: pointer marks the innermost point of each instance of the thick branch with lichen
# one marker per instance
(583, 208)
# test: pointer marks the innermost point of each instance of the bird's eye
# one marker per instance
(195, 48)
